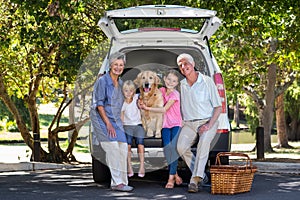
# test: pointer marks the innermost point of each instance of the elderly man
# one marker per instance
(201, 107)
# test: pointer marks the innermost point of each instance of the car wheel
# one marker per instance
(101, 173)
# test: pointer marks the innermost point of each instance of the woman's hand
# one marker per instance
(111, 131)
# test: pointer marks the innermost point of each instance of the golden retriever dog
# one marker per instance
(151, 96)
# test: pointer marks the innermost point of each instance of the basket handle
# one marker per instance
(248, 160)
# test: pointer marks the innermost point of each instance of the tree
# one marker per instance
(43, 47)
(292, 111)
(280, 123)
(258, 49)
(44, 43)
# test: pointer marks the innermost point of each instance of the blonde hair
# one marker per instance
(129, 84)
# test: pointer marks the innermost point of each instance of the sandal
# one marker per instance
(141, 173)
(178, 180)
(170, 184)
(130, 174)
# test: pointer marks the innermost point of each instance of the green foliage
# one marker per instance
(11, 126)
(59, 44)
(251, 114)
(46, 119)
(6, 114)
(292, 103)
(245, 38)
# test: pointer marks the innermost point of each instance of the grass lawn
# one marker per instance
(246, 137)
(46, 115)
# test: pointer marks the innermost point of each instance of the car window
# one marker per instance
(159, 60)
(151, 24)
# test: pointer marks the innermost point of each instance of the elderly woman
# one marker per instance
(106, 121)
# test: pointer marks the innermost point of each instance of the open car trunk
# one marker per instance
(158, 60)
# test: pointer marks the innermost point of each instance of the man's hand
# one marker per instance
(204, 127)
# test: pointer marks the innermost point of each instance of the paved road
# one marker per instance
(77, 183)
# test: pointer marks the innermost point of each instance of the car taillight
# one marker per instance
(222, 131)
(221, 89)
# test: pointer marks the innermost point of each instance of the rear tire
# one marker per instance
(101, 173)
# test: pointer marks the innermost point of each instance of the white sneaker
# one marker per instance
(122, 188)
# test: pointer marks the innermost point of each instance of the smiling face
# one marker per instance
(171, 81)
(185, 67)
(117, 67)
(128, 92)
(147, 80)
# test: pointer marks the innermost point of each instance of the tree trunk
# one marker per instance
(74, 137)
(28, 139)
(268, 113)
(55, 154)
(71, 118)
(294, 130)
(236, 115)
(280, 123)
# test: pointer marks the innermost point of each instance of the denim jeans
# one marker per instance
(169, 138)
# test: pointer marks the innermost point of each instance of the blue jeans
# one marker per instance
(169, 139)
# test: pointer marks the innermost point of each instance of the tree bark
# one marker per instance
(236, 115)
(294, 130)
(13, 109)
(280, 123)
(71, 118)
(268, 113)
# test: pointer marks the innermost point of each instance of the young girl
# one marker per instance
(132, 123)
(171, 124)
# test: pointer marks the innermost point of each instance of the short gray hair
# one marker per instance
(117, 56)
(187, 57)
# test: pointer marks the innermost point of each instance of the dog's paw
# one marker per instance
(158, 135)
(150, 134)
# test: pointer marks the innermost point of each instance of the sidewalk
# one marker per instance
(270, 167)
(17, 158)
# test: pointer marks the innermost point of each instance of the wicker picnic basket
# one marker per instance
(232, 179)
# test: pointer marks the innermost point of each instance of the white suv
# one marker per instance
(152, 37)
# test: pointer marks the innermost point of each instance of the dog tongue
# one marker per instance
(146, 89)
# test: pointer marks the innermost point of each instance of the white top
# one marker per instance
(198, 101)
(132, 114)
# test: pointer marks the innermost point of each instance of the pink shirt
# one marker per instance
(173, 116)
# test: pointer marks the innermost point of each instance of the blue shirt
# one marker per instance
(111, 98)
